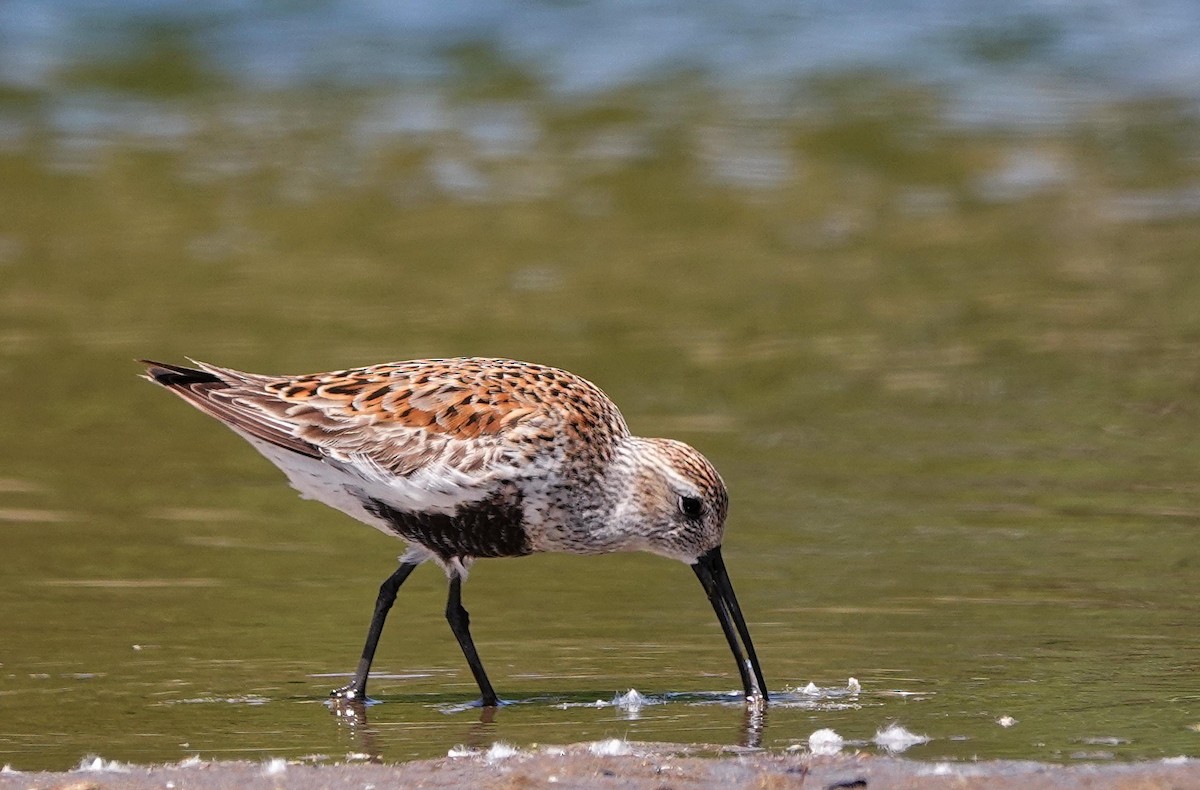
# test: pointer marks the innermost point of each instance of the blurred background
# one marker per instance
(921, 278)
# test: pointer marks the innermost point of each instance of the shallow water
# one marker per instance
(947, 371)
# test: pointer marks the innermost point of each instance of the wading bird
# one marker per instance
(470, 458)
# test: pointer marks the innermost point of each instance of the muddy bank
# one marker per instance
(620, 765)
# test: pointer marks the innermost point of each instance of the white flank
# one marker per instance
(342, 485)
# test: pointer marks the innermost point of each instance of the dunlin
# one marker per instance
(469, 458)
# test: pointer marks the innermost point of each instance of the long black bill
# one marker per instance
(710, 570)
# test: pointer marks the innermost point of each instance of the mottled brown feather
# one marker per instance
(405, 415)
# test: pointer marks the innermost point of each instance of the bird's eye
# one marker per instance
(690, 506)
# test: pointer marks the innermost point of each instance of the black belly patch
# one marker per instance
(491, 528)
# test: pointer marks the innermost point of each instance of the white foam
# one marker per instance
(825, 741)
(460, 751)
(275, 766)
(895, 738)
(1006, 721)
(8, 769)
(630, 702)
(1105, 740)
(500, 751)
(937, 769)
(190, 762)
(100, 765)
(815, 697)
(613, 747)
(245, 699)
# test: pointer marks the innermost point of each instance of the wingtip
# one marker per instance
(169, 375)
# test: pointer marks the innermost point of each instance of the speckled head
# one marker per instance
(677, 502)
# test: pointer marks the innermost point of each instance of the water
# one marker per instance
(935, 324)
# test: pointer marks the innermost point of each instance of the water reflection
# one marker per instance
(352, 717)
(355, 716)
(754, 723)
(921, 280)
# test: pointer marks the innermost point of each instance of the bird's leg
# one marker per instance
(460, 624)
(356, 689)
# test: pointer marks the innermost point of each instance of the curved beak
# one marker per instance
(710, 570)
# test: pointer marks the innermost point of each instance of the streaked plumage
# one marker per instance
(468, 458)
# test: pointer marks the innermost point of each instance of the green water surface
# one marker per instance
(955, 403)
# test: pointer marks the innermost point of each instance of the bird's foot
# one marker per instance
(351, 692)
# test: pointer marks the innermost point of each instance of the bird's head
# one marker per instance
(676, 502)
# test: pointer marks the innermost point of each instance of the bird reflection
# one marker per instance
(352, 718)
(754, 722)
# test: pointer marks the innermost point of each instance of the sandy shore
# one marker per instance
(620, 765)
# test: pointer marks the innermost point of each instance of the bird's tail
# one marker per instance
(230, 397)
(173, 376)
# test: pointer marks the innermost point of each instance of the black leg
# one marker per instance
(460, 624)
(357, 688)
